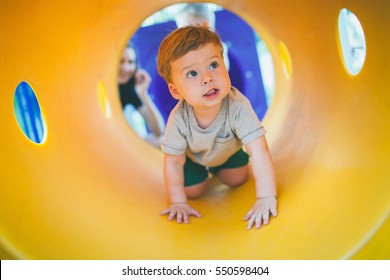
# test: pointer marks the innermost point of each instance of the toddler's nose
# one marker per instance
(207, 78)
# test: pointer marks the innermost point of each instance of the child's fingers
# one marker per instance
(166, 211)
(185, 218)
(273, 211)
(261, 216)
(258, 220)
(248, 215)
(172, 214)
(182, 215)
(251, 222)
(195, 213)
(265, 217)
(179, 217)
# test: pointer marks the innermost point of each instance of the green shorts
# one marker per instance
(195, 173)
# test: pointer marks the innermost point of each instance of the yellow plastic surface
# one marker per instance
(93, 190)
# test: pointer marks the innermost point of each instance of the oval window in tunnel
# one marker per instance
(246, 56)
(352, 41)
(103, 100)
(286, 59)
(28, 113)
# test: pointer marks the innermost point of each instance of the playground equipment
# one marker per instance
(93, 190)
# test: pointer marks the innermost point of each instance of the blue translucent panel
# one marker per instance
(28, 113)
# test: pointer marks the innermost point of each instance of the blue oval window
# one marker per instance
(28, 113)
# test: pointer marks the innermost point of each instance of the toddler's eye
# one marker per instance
(192, 74)
(213, 65)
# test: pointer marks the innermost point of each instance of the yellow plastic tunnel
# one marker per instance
(93, 190)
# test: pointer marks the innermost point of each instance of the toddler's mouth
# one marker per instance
(211, 92)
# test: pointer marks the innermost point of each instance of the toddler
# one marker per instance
(209, 126)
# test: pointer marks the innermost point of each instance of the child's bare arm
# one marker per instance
(264, 175)
(174, 180)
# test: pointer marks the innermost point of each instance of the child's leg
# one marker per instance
(233, 177)
(195, 176)
(196, 190)
(234, 171)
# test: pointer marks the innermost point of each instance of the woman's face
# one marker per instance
(127, 66)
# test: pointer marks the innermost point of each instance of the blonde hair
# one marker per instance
(181, 41)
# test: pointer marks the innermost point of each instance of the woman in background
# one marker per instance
(139, 109)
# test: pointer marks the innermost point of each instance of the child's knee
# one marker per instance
(233, 177)
(195, 191)
(237, 181)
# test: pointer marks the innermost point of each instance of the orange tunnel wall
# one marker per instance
(93, 190)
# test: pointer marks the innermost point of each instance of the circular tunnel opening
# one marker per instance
(247, 57)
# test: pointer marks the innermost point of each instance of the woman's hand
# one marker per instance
(142, 81)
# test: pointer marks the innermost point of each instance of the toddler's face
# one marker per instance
(200, 77)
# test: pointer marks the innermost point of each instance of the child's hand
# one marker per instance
(259, 214)
(181, 211)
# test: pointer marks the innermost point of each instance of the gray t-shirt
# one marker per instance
(235, 125)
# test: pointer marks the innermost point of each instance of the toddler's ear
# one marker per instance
(174, 92)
